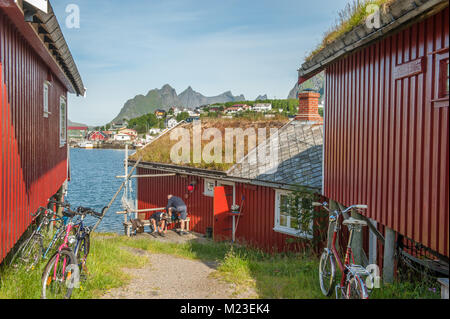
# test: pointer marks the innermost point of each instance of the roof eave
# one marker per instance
(401, 14)
(218, 175)
(66, 72)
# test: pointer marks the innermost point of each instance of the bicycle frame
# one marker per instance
(55, 236)
(63, 246)
(46, 221)
(82, 230)
(346, 267)
(348, 253)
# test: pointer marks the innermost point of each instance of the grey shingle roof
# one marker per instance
(293, 156)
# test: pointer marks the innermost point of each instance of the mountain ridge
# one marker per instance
(167, 97)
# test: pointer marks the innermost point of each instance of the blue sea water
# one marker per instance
(94, 183)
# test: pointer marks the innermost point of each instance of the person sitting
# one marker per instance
(158, 221)
(176, 206)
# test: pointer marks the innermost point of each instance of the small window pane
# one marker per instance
(209, 187)
(283, 220)
(62, 122)
(45, 100)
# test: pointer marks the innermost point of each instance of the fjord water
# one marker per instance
(93, 184)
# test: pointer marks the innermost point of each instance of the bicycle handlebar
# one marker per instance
(39, 212)
(88, 211)
(80, 210)
(62, 204)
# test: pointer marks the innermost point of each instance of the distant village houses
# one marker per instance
(160, 113)
(123, 137)
(128, 131)
(119, 126)
(170, 122)
(155, 131)
(262, 107)
(97, 136)
(233, 109)
(77, 132)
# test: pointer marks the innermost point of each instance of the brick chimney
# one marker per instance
(308, 110)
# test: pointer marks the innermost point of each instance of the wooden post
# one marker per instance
(357, 242)
(444, 287)
(373, 239)
(60, 198)
(389, 250)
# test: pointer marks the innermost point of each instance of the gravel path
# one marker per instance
(171, 277)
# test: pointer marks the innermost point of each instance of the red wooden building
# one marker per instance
(386, 141)
(97, 136)
(259, 187)
(36, 73)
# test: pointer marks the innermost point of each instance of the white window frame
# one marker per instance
(46, 93)
(206, 191)
(283, 229)
(62, 122)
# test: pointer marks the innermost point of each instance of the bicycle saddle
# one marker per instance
(354, 222)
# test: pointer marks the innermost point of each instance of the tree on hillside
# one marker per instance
(143, 123)
(182, 116)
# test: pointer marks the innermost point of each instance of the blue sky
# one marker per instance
(126, 48)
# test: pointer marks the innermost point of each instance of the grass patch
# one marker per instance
(105, 262)
(408, 290)
(270, 276)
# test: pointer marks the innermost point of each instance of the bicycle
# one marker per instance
(32, 249)
(60, 283)
(82, 234)
(352, 285)
(62, 272)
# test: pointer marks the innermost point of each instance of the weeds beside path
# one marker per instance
(170, 277)
(190, 267)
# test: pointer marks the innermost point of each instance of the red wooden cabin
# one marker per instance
(258, 190)
(97, 136)
(386, 141)
(36, 73)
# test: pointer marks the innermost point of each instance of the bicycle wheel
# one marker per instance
(327, 270)
(29, 253)
(57, 280)
(356, 288)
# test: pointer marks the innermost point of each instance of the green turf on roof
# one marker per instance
(159, 151)
(351, 16)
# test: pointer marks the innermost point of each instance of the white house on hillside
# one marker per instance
(123, 137)
(154, 131)
(262, 107)
(171, 122)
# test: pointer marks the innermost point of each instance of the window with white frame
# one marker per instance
(62, 121)
(46, 90)
(210, 184)
(284, 222)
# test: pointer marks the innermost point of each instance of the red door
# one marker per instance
(223, 200)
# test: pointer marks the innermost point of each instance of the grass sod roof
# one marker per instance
(159, 151)
(351, 32)
(354, 14)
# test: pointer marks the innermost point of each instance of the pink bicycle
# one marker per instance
(59, 274)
